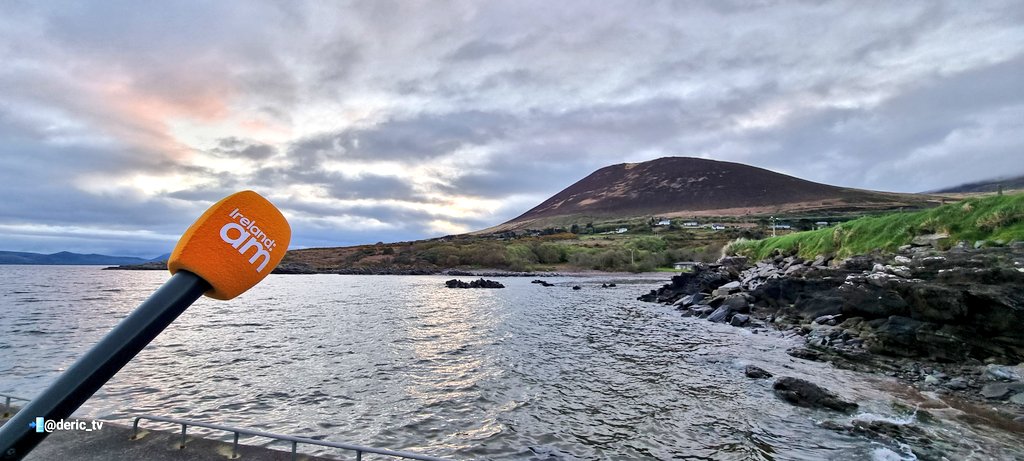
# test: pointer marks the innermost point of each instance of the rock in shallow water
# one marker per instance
(807, 394)
(481, 283)
(756, 372)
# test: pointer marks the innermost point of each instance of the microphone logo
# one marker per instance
(243, 234)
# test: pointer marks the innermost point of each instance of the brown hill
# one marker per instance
(685, 186)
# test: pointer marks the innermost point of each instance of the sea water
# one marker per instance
(401, 362)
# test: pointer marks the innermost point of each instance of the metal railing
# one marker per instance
(288, 438)
(7, 404)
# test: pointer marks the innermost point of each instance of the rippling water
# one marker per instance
(526, 372)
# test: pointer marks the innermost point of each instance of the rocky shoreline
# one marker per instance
(946, 322)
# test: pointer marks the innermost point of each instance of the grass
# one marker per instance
(994, 220)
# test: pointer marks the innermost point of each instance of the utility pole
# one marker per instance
(772, 219)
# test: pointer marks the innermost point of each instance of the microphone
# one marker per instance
(233, 246)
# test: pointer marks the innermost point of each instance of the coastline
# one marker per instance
(946, 324)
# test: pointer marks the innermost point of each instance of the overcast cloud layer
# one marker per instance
(120, 122)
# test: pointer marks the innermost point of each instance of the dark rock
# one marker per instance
(731, 287)
(934, 303)
(806, 394)
(1000, 391)
(957, 384)
(720, 314)
(806, 354)
(1004, 373)
(858, 263)
(684, 302)
(896, 336)
(480, 283)
(701, 279)
(739, 320)
(828, 319)
(872, 302)
(737, 303)
(293, 268)
(577, 287)
(701, 310)
(756, 372)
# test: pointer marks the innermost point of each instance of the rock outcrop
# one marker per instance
(948, 307)
(807, 394)
(479, 283)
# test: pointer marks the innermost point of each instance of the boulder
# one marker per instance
(685, 301)
(899, 271)
(936, 240)
(700, 310)
(957, 384)
(481, 283)
(739, 320)
(720, 314)
(756, 372)
(1005, 373)
(827, 319)
(738, 303)
(858, 263)
(1000, 391)
(807, 394)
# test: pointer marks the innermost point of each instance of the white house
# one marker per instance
(782, 226)
(665, 222)
(691, 224)
(621, 230)
(717, 227)
(821, 224)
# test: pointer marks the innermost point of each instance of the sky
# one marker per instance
(121, 122)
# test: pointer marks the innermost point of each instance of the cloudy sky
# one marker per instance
(120, 122)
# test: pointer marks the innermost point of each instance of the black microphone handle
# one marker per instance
(91, 371)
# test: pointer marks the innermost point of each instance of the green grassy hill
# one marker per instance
(994, 220)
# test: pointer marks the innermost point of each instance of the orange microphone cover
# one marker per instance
(234, 245)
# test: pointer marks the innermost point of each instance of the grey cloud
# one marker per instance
(422, 137)
(371, 186)
(233, 147)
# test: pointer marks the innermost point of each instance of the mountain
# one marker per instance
(688, 187)
(991, 185)
(161, 259)
(65, 258)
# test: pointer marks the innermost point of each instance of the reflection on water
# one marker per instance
(525, 372)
